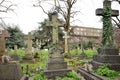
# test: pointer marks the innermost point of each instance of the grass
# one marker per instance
(89, 52)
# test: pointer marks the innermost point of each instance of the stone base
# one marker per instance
(16, 57)
(27, 61)
(56, 65)
(107, 56)
(28, 58)
(113, 66)
(10, 71)
(52, 73)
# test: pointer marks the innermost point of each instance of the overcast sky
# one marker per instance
(27, 16)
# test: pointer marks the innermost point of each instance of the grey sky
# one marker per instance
(27, 16)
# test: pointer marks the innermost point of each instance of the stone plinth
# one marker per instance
(58, 72)
(107, 56)
(56, 66)
(28, 58)
(10, 71)
(15, 57)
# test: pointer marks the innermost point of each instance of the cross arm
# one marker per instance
(99, 12)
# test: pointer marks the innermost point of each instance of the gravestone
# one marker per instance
(29, 56)
(11, 70)
(56, 66)
(107, 54)
(15, 56)
(3, 35)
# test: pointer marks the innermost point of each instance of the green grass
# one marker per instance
(89, 53)
(20, 52)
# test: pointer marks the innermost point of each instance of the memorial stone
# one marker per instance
(29, 56)
(56, 66)
(107, 54)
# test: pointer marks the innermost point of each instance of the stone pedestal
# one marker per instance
(28, 58)
(16, 57)
(108, 56)
(10, 71)
(56, 66)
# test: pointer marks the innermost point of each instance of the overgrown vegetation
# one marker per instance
(105, 71)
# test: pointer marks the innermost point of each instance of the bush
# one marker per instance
(40, 76)
(105, 71)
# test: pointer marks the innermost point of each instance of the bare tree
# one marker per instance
(6, 6)
(117, 20)
(64, 7)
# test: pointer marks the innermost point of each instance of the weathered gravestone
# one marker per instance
(29, 56)
(10, 70)
(15, 56)
(107, 54)
(3, 35)
(56, 65)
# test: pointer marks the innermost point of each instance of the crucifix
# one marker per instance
(3, 35)
(29, 43)
(107, 13)
(54, 22)
(66, 42)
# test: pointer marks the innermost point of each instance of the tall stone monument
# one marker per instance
(3, 35)
(10, 70)
(29, 56)
(107, 54)
(66, 43)
(56, 65)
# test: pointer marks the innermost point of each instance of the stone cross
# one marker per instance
(55, 24)
(3, 35)
(107, 3)
(66, 42)
(107, 13)
(29, 43)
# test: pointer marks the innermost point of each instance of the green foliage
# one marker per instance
(69, 76)
(107, 36)
(105, 71)
(20, 52)
(73, 75)
(40, 76)
(16, 37)
(89, 52)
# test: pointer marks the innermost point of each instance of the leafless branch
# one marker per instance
(6, 8)
(118, 24)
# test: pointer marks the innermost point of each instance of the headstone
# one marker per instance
(15, 56)
(56, 66)
(8, 71)
(107, 55)
(29, 56)
(3, 35)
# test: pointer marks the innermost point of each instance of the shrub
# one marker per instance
(105, 71)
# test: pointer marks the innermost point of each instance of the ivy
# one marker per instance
(107, 36)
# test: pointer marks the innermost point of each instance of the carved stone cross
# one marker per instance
(106, 3)
(54, 22)
(107, 13)
(3, 35)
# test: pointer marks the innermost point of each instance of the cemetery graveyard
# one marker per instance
(55, 52)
